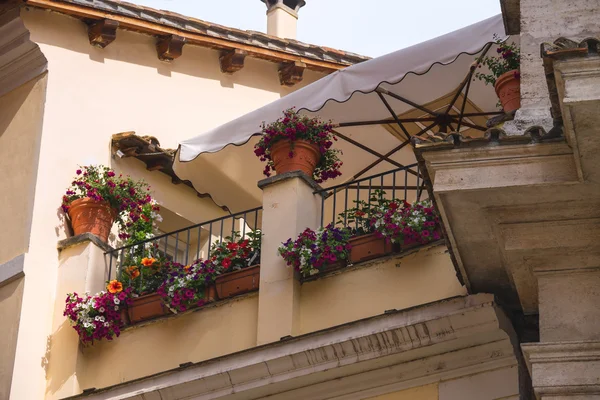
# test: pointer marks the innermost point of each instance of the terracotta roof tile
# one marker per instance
(194, 25)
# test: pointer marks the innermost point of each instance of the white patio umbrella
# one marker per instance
(377, 106)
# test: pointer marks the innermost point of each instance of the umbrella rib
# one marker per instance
(383, 122)
(388, 154)
(467, 80)
(391, 110)
(464, 104)
(410, 103)
(368, 150)
(482, 114)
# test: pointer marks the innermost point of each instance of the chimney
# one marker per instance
(282, 17)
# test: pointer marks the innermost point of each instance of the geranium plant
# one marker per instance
(359, 219)
(235, 252)
(99, 316)
(130, 199)
(507, 59)
(312, 251)
(185, 286)
(293, 126)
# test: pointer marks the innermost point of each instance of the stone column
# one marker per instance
(566, 362)
(543, 21)
(82, 268)
(289, 207)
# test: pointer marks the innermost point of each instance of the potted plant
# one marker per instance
(504, 74)
(298, 142)
(366, 243)
(409, 225)
(188, 286)
(236, 261)
(97, 197)
(312, 252)
(144, 277)
(99, 316)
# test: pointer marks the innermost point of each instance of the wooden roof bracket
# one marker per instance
(170, 47)
(102, 32)
(232, 61)
(291, 73)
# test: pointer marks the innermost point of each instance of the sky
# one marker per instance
(367, 27)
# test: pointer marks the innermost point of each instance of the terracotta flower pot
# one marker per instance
(238, 282)
(210, 294)
(146, 307)
(508, 89)
(91, 216)
(368, 247)
(305, 157)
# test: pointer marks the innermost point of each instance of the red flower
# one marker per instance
(226, 263)
(232, 246)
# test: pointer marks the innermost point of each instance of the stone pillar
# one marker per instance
(82, 268)
(289, 207)
(566, 362)
(543, 21)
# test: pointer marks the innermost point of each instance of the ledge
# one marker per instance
(84, 237)
(370, 263)
(365, 358)
(12, 270)
(289, 175)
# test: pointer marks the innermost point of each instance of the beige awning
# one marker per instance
(378, 104)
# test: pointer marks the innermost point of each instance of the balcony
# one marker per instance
(282, 304)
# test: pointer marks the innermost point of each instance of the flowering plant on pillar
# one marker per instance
(298, 142)
(504, 73)
(98, 197)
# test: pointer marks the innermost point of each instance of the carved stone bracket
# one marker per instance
(102, 33)
(170, 47)
(291, 73)
(232, 61)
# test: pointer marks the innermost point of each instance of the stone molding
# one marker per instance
(289, 175)
(21, 60)
(12, 270)
(413, 347)
(83, 238)
(564, 368)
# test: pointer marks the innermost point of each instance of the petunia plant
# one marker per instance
(293, 126)
(99, 316)
(408, 224)
(312, 251)
(186, 286)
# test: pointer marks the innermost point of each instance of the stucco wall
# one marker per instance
(429, 392)
(155, 347)
(11, 295)
(91, 95)
(392, 283)
(21, 113)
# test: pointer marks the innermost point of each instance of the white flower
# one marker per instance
(97, 319)
(313, 271)
(101, 309)
(116, 308)
(116, 300)
(106, 324)
(86, 325)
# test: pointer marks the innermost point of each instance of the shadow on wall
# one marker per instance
(136, 48)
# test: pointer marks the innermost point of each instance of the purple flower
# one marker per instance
(78, 172)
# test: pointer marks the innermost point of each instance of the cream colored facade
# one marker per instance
(406, 327)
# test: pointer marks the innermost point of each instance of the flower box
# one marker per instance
(238, 282)
(210, 294)
(369, 246)
(146, 307)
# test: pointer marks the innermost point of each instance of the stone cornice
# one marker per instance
(407, 348)
(21, 60)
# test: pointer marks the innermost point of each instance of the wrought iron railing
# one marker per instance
(188, 244)
(403, 183)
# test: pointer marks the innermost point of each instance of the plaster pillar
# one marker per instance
(289, 207)
(543, 21)
(82, 268)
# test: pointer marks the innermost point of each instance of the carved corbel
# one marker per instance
(291, 73)
(232, 61)
(170, 47)
(102, 33)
